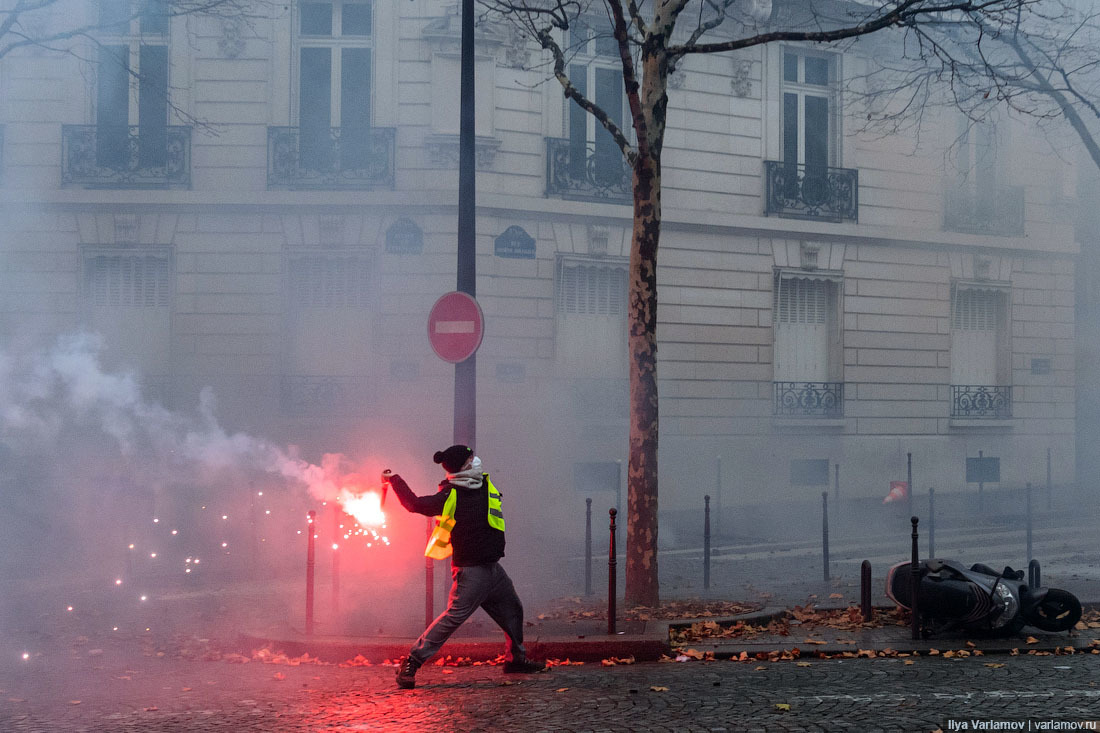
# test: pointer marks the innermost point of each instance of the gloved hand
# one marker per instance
(386, 476)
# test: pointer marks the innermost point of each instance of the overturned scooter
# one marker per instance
(979, 599)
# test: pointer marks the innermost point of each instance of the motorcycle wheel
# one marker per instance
(1059, 611)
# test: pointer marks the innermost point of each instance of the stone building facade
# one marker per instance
(269, 208)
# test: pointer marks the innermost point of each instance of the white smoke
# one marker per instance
(43, 394)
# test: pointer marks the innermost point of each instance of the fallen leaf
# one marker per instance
(802, 664)
(783, 706)
(74, 702)
(656, 688)
(1031, 640)
(448, 671)
(760, 668)
(151, 708)
(836, 595)
(994, 665)
(561, 689)
(908, 662)
(279, 676)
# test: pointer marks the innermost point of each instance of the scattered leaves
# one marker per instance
(783, 707)
(658, 688)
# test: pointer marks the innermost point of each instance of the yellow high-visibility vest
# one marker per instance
(439, 544)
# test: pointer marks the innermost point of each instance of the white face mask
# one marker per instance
(475, 464)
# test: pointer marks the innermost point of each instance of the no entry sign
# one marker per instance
(455, 327)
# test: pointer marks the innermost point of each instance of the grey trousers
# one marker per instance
(484, 586)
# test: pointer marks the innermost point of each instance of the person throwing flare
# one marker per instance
(469, 530)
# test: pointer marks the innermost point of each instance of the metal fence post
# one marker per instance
(706, 542)
(311, 559)
(1033, 578)
(909, 479)
(1050, 486)
(1028, 491)
(588, 547)
(611, 584)
(914, 581)
(865, 590)
(931, 521)
(825, 533)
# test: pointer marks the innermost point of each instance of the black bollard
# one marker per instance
(865, 590)
(1033, 579)
(931, 522)
(429, 582)
(909, 479)
(914, 581)
(588, 547)
(1028, 491)
(706, 542)
(836, 482)
(825, 533)
(1050, 488)
(611, 584)
(311, 559)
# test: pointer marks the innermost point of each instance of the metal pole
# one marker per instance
(1028, 490)
(865, 590)
(981, 485)
(336, 512)
(836, 482)
(706, 542)
(1033, 579)
(465, 387)
(825, 533)
(718, 497)
(588, 547)
(1050, 486)
(311, 559)
(914, 581)
(909, 479)
(429, 583)
(931, 522)
(611, 584)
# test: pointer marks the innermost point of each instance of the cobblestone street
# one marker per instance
(118, 690)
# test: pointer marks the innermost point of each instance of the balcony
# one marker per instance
(809, 399)
(340, 159)
(814, 192)
(587, 175)
(126, 156)
(981, 401)
(995, 210)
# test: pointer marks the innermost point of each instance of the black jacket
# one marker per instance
(474, 542)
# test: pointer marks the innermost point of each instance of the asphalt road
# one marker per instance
(129, 689)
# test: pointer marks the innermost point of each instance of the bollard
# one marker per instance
(611, 584)
(429, 582)
(706, 542)
(1028, 491)
(931, 522)
(311, 557)
(836, 482)
(865, 590)
(909, 479)
(825, 533)
(588, 547)
(1033, 579)
(1050, 487)
(718, 497)
(914, 581)
(981, 488)
(336, 527)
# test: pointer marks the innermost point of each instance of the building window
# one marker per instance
(591, 305)
(132, 84)
(979, 202)
(127, 296)
(328, 357)
(807, 348)
(809, 112)
(980, 352)
(334, 84)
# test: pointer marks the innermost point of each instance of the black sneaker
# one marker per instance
(525, 666)
(406, 673)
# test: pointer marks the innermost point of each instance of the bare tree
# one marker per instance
(653, 37)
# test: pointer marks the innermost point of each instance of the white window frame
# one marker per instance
(802, 89)
(134, 38)
(334, 42)
(1003, 329)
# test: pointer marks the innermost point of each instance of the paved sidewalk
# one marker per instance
(588, 640)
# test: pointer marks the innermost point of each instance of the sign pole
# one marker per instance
(465, 407)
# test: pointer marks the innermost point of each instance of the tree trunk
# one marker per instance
(642, 586)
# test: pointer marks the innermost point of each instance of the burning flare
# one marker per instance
(365, 508)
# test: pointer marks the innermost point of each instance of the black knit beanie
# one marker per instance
(454, 458)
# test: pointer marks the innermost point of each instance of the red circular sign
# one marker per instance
(455, 327)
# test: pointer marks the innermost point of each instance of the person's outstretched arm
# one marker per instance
(426, 505)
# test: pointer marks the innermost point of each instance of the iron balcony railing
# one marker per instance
(333, 158)
(995, 210)
(126, 156)
(809, 399)
(576, 172)
(981, 401)
(811, 192)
